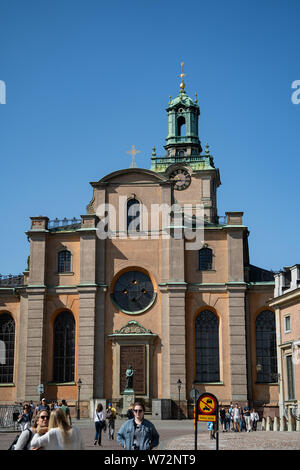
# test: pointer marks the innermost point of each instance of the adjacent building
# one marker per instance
(286, 303)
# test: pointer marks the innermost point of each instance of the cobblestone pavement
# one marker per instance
(179, 435)
(259, 440)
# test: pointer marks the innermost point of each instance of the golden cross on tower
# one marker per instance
(182, 75)
(133, 153)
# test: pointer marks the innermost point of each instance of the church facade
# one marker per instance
(150, 276)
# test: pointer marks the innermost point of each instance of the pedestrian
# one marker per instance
(42, 406)
(138, 433)
(242, 422)
(254, 419)
(130, 413)
(222, 418)
(236, 417)
(231, 415)
(40, 426)
(31, 404)
(24, 419)
(60, 436)
(66, 409)
(99, 424)
(247, 418)
(111, 415)
(211, 430)
(227, 421)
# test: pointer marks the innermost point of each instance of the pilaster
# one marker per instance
(35, 334)
(35, 290)
(87, 290)
(86, 340)
(237, 342)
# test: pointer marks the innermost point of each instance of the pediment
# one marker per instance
(130, 175)
(133, 328)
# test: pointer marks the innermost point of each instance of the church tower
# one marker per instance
(184, 164)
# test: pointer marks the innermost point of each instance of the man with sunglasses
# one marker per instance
(138, 433)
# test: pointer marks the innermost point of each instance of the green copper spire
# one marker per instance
(183, 115)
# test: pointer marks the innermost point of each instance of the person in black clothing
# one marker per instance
(130, 414)
(223, 418)
(247, 418)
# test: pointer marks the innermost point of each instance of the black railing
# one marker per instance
(9, 415)
(62, 223)
(11, 280)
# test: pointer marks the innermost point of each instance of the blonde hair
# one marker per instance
(58, 419)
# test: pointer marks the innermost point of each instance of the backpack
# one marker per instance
(12, 446)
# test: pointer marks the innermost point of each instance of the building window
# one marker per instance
(266, 356)
(64, 348)
(7, 348)
(133, 215)
(290, 378)
(181, 126)
(205, 259)
(207, 347)
(287, 324)
(64, 261)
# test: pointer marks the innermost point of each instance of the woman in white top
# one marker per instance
(254, 419)
(40, 426)
(99, 424)
(60, 435)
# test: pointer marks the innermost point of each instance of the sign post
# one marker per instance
(40, 389)
(207, 409)
(194, 394)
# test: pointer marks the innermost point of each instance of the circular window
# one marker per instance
(133, 292)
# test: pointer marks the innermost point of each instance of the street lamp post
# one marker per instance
(78, 400)
(179, 388)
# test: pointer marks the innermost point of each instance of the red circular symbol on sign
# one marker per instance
(207, 404)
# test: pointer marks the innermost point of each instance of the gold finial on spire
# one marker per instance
(207, 148)
(182, 75)
(153, 151)
(196, 98)
(170, 99)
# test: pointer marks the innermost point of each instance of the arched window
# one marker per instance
(207, 347)
(133, 215)
(64, 348)
(7, 348)
(64, 261)
(205, 259)
(266, 357)
(181, 126)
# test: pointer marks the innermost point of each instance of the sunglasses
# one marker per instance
(138, 411)
(44, 417)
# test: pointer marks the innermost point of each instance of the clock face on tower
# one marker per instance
(133, 292)
(181, 178)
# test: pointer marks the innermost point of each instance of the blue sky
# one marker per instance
(85, 80)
